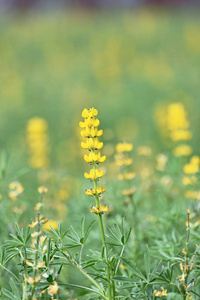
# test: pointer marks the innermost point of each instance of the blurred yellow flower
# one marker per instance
(124, 147)
(37, 140)
(52, 223)
(177, 116)
(182, 150)
(181, 135)
(42, 190)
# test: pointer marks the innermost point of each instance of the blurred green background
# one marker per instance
(123, 63)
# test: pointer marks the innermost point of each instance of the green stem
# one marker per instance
(74, 264)
(25, 274)
(121, 253)
(102, 236)
(36, 256)
(104, 244)
(10, 273)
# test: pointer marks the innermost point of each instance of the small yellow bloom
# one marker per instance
(192, 194)
(89, 113)
(38, 206)
(99, 210)
(92, 192)
(52, 223)
(35, 233)
(41, 264)
(127, 176)
(32, 281)
(160, 294)
(181, 278)
(183, 150)
(181, 266)
(144, 151)
(42, 190)
(92, 157)
(53, 289)
(92, 132)
(94, 174)
(123, 267)
(129, 192)
(124, 147)
(181, 135)
(90, 122)
(92, 144)
(36, 221)
(189, 180)
(184, 252)
(124, 162)
(15, 185)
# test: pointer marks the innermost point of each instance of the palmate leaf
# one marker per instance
(117, 235)
(9, 295)
(15, 288)
(134, 269)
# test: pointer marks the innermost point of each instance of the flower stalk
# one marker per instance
(91, 133)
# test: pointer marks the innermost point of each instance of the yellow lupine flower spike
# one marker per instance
(91, 133)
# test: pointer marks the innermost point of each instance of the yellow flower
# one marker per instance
(92, 157)
(189, 180)
(35, 233)
(162, 293)
(92, 144)
(52, 223)
(36, 221)
(161, 161)
(192, 194)
(53, 289)
(124, 162)
(32, 281)
(38, 206)
(182, 150)
(92, 132)
(15, 185)
(37, 140)
(89, 113)
(92, 192)
(90, 122)
(123, 267)
(94, 174)
(99, 210)
(124, 147)
(128, 192)
(127, 176)
(181, 135)
(144, 150)
(177, 116)
(42, 190)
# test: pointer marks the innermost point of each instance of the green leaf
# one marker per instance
(82, 226)
(14, 288)
(134, 268)
(54, 232)
(123, 279)
(8, 294)
(88, 230)
(147, 261)
(128, 235)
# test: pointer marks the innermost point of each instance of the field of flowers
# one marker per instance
(100, 155)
